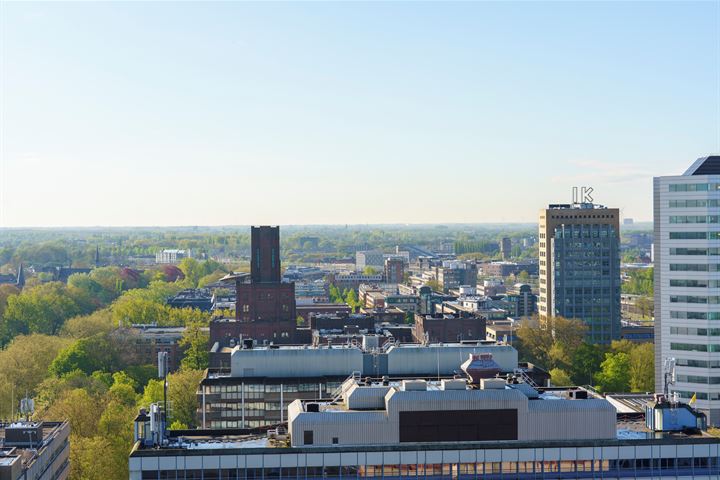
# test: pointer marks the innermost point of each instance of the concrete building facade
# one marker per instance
(687, 282)
(579, 260)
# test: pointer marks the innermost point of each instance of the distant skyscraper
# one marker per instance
(687, 282)
(580, 267)
(505, 248)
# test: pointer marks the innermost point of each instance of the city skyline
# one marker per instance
(124, 114)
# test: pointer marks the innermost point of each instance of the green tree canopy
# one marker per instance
(614, 375)
(195, 344)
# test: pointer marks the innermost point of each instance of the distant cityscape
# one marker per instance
(582, 349)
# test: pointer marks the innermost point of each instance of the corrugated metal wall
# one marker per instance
(311, 362)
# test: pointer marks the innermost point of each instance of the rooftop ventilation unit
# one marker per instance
(492, 384)
(414, 385)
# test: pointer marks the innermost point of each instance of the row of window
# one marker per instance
(703, 332)
(698, 379)
(694, 235)
(694, 219)
(700, 395)
(713, 300)
(694, 187)
(261, 388)
(684, 362)
(694, 283)
(713, 202)
(694, 315)
(565, 468)
(694, 267)
(695, 251)
(695, 347)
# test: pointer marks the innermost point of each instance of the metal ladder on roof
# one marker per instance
(342, 389)
(525, 377)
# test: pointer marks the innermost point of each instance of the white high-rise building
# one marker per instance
(687, 282)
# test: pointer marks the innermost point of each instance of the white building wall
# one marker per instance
(663, 291)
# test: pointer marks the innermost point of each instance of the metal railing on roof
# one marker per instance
(340, 391)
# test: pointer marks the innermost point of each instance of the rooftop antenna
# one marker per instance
(668, 375)
(27, 407)
(162, 373)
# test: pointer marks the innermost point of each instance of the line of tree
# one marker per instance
(345, 296)
(67, 347)
(561, 348)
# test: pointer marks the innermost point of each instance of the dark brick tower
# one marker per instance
(265, 307)
(265, 261)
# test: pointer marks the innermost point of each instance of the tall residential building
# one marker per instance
(687, 282)
(580, 267)
(394, 270)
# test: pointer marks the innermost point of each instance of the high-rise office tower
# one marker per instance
(687, 282)
(580, 267)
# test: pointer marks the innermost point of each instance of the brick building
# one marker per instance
(265, 306)
(449, 327)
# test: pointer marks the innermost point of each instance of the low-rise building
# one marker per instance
(200, 298)
(448, 411)
(449, 327)
(453, 274)
(172, 255)
(263, 381)
(353, 280)
(369, 258)
(445, 429)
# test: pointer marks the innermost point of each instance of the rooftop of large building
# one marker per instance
(709, 165)
(23, 443)
(577, 206)
(588, 418)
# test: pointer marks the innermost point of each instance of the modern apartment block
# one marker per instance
(580, 267)
(687, 282)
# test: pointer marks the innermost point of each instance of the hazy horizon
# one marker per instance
(169, 114)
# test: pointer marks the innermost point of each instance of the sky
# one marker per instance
(236, 113)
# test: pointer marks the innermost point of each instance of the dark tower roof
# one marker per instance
(265, 251)
(705, 166)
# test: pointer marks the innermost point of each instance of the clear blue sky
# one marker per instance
(235, 113)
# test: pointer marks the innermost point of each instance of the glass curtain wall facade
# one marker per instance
(586, 278)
